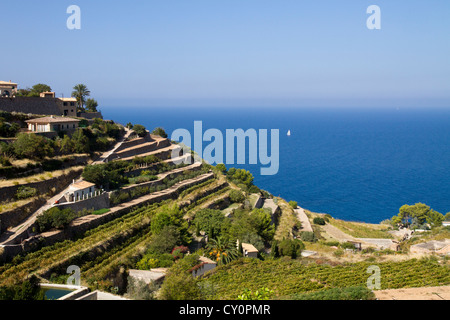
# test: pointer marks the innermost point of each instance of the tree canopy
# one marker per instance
(91, 105)
(81, 92)
(32, 146)
(417, 215)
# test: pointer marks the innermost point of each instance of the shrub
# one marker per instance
(339, 253)
(236, 196)
(52, 165)
(140, 130)
(25, 193)
(4, 161)
(240, 176)
(55, 218)
(293, 204)
(169, 237)
(179, 284)
(160, 132)
(139, 290)
(32, 146)
(331, 243)
(291, 248)
(308, 236)
(155, 260)
(210, 221)
(179, 252)
(253, 189)
(221, 167)
(260, 294)
(347, 245)
(319, 221)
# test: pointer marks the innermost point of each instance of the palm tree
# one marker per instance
(80, 93)
(222, 251)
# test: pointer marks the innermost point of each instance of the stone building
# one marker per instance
(7, 89)
(52, 124)
(81, 190)
(46, 104)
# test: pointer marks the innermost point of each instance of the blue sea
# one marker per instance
(355, 164)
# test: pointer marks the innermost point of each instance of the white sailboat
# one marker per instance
(289, 133)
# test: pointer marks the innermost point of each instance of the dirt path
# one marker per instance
(430, 293)
(337, 234)
(301, 215)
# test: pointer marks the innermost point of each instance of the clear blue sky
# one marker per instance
(236, 53)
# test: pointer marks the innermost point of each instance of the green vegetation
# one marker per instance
(81, 92)
(32, 146)
(290, 248)
(124, 195)
(160, 132)
(350, 293)
(210, 221)
(7, 129)
(222, 251)
(236, 196)
(416, 216)
(35, 90)
(91, 105)
(112, 175)
(293, 204)
(179, 284)
(140, 130)
(308, 236)
(319, 221)
(362, 230)
(55, 218)
(101, 211)
(242, 178)
(221, 167)
(260, 294)
(287, 277)
(25, 192)
(26, 290)
(84, 140)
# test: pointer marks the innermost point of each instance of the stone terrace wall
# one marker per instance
(13, 218)
(91, 115)
(77, 228)
(95, 203)
(43, 187)
(134, 142)
(143, 148)
(35, 105)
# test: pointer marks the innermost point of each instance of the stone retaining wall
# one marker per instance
(13, 218)
(81, 225)
(139, 149)
(33, 105)
(95, 203)
(42, 187)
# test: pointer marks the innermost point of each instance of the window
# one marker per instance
(74, 126)
(65, 104)
(72, 104)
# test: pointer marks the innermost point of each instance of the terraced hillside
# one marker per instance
(103, 251)
(288, 277)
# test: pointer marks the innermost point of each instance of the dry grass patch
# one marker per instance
(362, 230)
(287, 221)
(39, 177)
